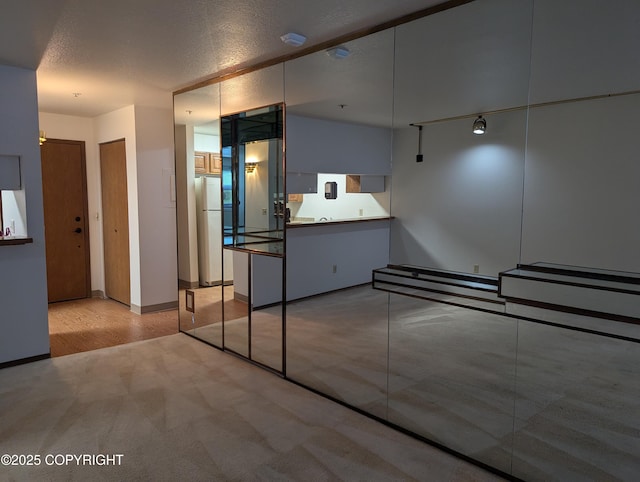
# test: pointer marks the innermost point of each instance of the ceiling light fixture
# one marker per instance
(293, 39)
(479, 125)
(338, 53)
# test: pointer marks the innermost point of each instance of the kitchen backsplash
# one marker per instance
(345, 206)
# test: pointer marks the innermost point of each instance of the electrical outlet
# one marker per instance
(335, 268)
(264, 211)
(476, 268)
(361, 211)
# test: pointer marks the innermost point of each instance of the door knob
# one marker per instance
(77, 230)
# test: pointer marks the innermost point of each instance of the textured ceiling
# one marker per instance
(119, 52)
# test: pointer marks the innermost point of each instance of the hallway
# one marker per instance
(93, 323)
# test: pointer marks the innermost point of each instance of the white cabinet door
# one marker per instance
(302, 182)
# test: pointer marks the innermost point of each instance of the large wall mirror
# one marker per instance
(458, 210)
(252, 160)
(254, 223)
(254, 214)
(339, 127)
(385, 121)
(202, 271)
(232, 214)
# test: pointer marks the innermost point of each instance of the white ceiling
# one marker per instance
(122, 52)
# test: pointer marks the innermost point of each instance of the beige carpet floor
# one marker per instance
(173, 408)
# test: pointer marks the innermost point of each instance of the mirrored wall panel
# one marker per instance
(576, 407)
(420, 223)
(267, 311)
(458, 206)
(339, 133)
(452, 376)
(203, 273)
(252, 133)
(252, 143)
(460, 119)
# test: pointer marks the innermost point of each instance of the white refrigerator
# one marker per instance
(210, 259)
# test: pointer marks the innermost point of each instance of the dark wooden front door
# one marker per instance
(64, 191)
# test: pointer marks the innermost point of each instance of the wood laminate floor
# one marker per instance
(92, 323)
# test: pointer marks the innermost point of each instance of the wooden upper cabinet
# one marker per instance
(207, 163)
(201, 162)
(356, 184)
(215, 163)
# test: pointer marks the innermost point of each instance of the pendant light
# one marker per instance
(479, 125)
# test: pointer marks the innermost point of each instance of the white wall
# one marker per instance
(266, 280)
(156, 206)
(23, 285)
(581, 185)
(66, 127)
(14, 212)
(576, 192)
(240, 272)
(462, 205)
(187, 227)
(584, 47)
(355, 249)
(257, 187)
(582, 171)
(469, 59)
(206, 142)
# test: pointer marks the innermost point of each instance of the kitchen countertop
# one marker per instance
(333, 222)
(14, 240)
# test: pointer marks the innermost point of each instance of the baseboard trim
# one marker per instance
(141, 310)
(98, 294)
(188, 285)
(23, 361)
(239, 297)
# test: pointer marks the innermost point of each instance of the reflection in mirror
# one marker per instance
(236, 313)
(252, 133)
(252, 167)
(460, 209)
(339, 123)
(453, 367)
(254, 217)
(452, 364)
(356, 89)
(267, 311)
(336, 343)
(198, 192)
